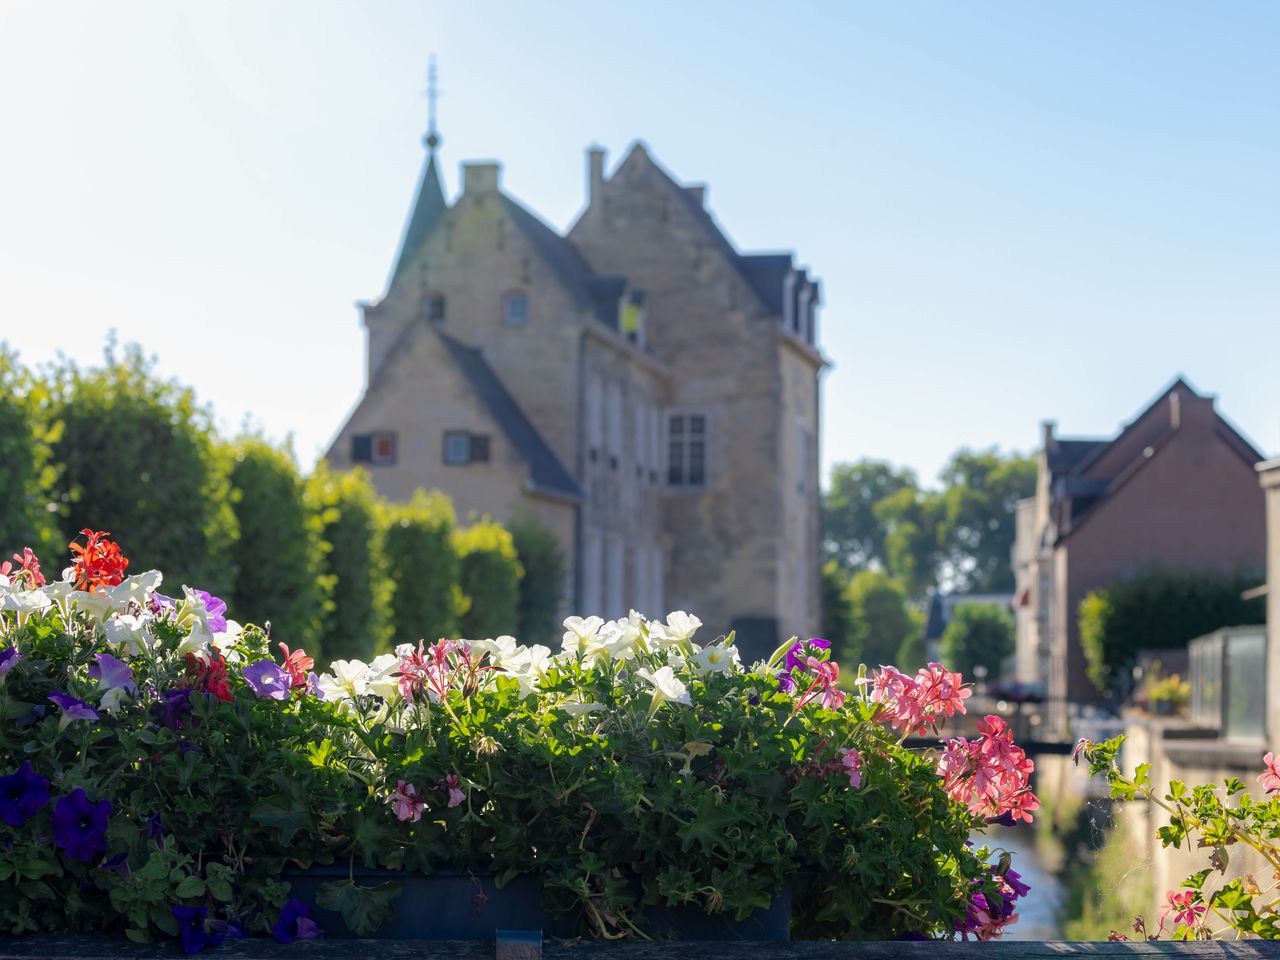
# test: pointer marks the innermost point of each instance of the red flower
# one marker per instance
(209, 677)
(98, 563)
(297, 664)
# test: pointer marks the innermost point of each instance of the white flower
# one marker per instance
(622, 639)
(24, 602)
(384, 676)
(94, 605)
(127, 633)
(580, 634)
(350, 679)
(136, 589)
(501, 650)
(666, 687)
(575, 709)
(225, 640)
(528, 666)
(110, 701)
(717, 658)
(678, 630)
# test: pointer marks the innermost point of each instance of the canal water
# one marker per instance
(1038, 912)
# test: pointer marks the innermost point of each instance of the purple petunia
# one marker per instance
(112, 673)
(23, 794)
(9, 658)
(174, 708)
(214, 610)
(80, 827)
(267, 679)
(193, 932)
(72, 709)
(796, 655)
(295, 924)
(155, 829)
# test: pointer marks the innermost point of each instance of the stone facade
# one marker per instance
(1175, 488)
(1269, 473)
(637, 384)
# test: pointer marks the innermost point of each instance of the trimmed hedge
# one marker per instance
(417, 538)
(542, 586)
(490, 578)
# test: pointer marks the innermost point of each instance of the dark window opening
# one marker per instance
(374, 448)
(515, 309)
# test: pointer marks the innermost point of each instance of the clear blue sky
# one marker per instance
(1019, 210)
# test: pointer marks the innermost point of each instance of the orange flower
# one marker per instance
(98, 563)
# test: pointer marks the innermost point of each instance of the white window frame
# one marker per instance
(687, 413)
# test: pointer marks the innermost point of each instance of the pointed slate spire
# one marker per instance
(429, 203)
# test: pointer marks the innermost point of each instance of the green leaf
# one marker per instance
(189, 888)
(221, 890)
(364, 909)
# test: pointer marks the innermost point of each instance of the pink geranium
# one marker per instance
(405, 803)
(919, 703)
(1183, 906)
(453, 785)
(851, 760)
(990, 775)
(1270, 776)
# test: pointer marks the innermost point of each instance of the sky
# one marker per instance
(1019, 211)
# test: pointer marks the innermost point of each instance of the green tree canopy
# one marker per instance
(542, 586)
(26, 474)
(426, 598)
(352, 563)
(1159, 609)
(979, 634)
(138, 459)
(277, 556)
(490, 580)
(837, 617)
(881, 619)
(978, 517)
(913, 524)
(852, 533)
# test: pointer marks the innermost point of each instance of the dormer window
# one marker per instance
(515, 309)
(435, 308)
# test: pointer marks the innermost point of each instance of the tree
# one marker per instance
(356, 623)
(490, 578)
(1159, 609)
(542, 586)
(880, 619)
(426, 596)
(837, 617)
(138, 459)
(26, 474)
(979, 634)
(852, 533)
(977, 520)
(912, 520)
(277, 557)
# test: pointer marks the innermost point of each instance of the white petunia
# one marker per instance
(225, 641)
(384, 677)
(529, 666)
(623, 639)
(110, 701)
(677, 631)
(575, 709)
(128, 634)
(717, 658)
(136, 589)
(95, 605)
(666, 687)
(580, 634)
(24, 602)
(350, 679)
(500, 650)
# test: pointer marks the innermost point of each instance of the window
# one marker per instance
(461, 448)
(515, 309)
(631, 317)
(375, 448)
(687, 450)
(435, 308)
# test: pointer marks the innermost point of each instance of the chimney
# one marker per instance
(1175, 410)
(1046, 433)
(595, 173)
(699, 192)
(480, 178)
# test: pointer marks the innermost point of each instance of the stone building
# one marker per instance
(1176, 487)
(636, 384)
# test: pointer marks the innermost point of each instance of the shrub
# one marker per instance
(1159, 609)
(26, 474)
(425, 595)
(277, 555)
(490, 578)
(138, 458)
(979, 634)
(881, 619)
(356, 622)
(542, 584)
(837, 618)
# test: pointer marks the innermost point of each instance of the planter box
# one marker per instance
(455, 906)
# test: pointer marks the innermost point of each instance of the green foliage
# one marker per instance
(352, 562)
(1159, 609)
(490, 579)
(980, 495)
(881, 620)
(912, 522)
(426, 600)
(852, 533)
(26, 474)
(138, 459)
(837, 618)
(979, 633)
(277, 556)
(542, 585)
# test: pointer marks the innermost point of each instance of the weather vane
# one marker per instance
(432, 139)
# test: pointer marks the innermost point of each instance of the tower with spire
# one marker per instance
(636, 385)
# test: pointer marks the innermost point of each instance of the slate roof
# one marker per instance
(546, 472)
(766, 273)
(1066, 455)
(558, 252)
(428, 207)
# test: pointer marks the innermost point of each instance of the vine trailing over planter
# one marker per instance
(161, 765)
